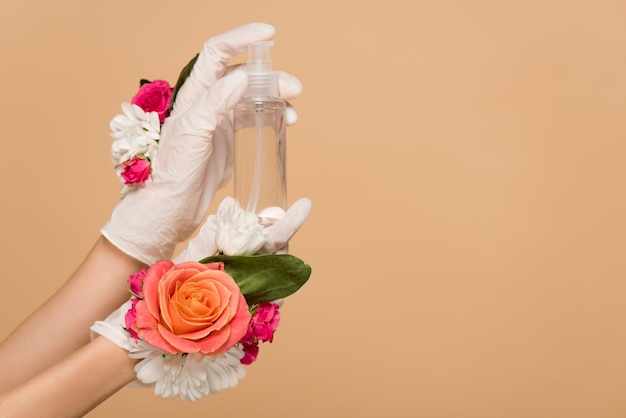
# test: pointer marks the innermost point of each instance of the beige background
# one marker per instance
(466, 164)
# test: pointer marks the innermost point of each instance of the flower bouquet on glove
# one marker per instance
(137, 131)
(194, 325)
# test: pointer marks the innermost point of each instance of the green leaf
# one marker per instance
(263, 278)
(185, 72)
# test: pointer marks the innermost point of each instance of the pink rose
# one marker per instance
(136, 171)
(191, 307)
(250, 353)
(131, 317)
(249, 338)
(154, 97)
(265, 321)
(135, 281)
(261, 328)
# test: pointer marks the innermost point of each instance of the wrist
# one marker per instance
(106, 248)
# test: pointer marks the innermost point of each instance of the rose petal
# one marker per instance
(216, 339)
(239, 324)
(151, 285)
(146, 327)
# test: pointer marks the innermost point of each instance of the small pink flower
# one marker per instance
(131, 317)
(261, 328)
(249, 337)
(154, 96)
(135, 281)
(136, 171)
(250, 353)
(266, 321)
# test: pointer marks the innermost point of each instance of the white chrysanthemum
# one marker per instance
(188, 376)
(238, 232)
(135, 132)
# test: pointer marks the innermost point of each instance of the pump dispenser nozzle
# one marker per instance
(263, 82)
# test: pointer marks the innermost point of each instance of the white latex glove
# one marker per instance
(195, 150)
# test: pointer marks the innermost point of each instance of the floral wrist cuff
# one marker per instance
(194, 325)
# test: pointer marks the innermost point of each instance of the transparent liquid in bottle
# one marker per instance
(259, 158)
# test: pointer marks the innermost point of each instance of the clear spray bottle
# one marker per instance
(259, 140)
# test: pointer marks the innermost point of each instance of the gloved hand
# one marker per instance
(278, 235)
(195, 150)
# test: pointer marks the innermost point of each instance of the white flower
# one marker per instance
(188, 376)
(135, 132)
(238, 232)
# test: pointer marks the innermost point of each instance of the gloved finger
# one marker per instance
(203, 117)
(279, 234)
(212, 60)
(291, 116)
(289, 88)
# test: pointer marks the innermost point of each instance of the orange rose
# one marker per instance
(191, 307)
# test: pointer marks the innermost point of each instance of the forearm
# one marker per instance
(61, 324)
(73, 386)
